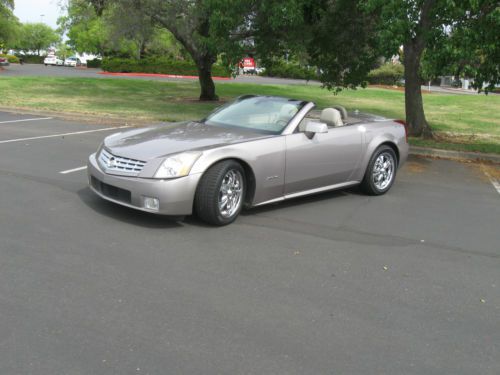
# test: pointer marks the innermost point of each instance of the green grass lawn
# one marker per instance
(469, 122)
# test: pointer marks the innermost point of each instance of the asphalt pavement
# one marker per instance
(337, 283)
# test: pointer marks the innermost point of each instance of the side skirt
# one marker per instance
(309, 192)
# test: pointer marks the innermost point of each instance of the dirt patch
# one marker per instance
(485, 171)
(415, 166)
(461, 138)
(491, 171)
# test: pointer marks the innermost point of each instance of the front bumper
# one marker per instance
(176, 196)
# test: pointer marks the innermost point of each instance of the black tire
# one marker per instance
(208, 193)
(368, 185)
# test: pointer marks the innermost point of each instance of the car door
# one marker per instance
(325, 159)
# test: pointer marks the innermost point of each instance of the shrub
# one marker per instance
(11, 58)
(95, 63)
(291, 70)
(158, 65)
(387, 74)
(32, 59)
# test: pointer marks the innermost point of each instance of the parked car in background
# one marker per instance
(53, 60)
(254, 151)
(4, 61)
(259, 70)
(72, 61)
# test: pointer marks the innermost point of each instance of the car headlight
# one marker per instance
(177, 165)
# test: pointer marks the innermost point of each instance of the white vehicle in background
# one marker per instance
(72, 61)
(53, 60)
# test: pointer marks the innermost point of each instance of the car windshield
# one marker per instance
(263, 114)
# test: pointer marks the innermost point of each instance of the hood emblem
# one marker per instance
(111, 162)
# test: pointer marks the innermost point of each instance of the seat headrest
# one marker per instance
(331, 117)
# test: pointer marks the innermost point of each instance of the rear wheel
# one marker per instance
(221, 193)
(381, 171)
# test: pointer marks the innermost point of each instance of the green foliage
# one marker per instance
(157, 65)
(471, 49)
(388, 74)
(64, 51)
(12, 59)
(334, 36)
(31, 59)
(86, 31)
(36, 37)
(95, 63)
(163, 43)
(9, 24)
(279, 68)
(458, 37)
(120, 30)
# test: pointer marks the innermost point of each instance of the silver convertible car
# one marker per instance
(250, 152)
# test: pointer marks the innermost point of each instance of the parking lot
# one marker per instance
(338, 283)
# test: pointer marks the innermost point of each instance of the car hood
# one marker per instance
(158, 141)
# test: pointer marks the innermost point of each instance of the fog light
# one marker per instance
(151, 203)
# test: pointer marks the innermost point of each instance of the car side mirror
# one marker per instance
(315, 127)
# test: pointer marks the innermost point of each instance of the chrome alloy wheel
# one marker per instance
(383, 171)
(230, 193)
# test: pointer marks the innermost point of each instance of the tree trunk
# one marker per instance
(414, 106)
(207, 85)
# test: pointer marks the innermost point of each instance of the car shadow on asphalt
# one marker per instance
(148, 220)
(126, 214)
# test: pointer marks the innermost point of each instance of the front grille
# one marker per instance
(112, 162)
(111, 191)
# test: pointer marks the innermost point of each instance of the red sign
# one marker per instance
(248, 62)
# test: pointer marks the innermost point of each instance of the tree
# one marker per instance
(430, 28)
(64, 51)
(36, 37)
(85, 30)
(189, 21)
(336, 36)
(9, 24)
(114, 31)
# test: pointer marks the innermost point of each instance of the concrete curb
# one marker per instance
(454, 155)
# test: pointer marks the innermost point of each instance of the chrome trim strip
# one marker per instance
(321, 189)
(308, 192)
(280, 199)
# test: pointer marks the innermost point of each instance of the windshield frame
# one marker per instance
(300, 104)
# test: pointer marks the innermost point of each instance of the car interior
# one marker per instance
(332, 117)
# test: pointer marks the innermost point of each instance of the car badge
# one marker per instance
(111, 162)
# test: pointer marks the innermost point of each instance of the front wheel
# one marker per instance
(381, 171)
(221, 193)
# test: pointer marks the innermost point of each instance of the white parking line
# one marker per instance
(62, 134)
(27, 119)
(74, 170)
(494, 182)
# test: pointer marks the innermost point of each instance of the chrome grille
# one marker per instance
(112, 162)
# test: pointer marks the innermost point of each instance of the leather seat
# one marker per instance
(331, 117)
